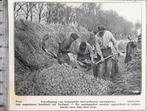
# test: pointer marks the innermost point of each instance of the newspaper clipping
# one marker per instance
(77, 55)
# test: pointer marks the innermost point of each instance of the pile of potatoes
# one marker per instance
(65, 80)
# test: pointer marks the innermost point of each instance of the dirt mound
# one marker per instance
(29, 37)
(28, 45)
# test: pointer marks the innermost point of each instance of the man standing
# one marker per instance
(139, 42)
(104, 40)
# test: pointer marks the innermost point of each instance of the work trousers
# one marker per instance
(104, 69)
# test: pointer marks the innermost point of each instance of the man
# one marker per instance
(85, 54)
(139, 42)
(64, 49)
(104, 40)
(131, 48)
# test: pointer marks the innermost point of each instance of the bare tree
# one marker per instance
(49, 12)
(32, 6)
(17, 8)
(55, 13)
(27, 9)
(40, 10)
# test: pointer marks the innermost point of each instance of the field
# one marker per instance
(37, 73)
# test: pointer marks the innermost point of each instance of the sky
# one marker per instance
(129, 11)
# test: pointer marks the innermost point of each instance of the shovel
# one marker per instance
(103, 60)
(84, 64)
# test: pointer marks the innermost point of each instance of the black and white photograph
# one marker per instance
(77, 48)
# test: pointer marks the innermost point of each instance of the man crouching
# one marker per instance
(85, 55)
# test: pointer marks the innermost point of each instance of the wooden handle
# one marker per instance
(104, 59)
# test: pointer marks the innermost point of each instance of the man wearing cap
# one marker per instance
(104, 40)
(64, 48)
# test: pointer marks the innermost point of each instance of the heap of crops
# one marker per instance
(129, 82)
(64, 80)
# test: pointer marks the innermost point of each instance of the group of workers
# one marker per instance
(100, 46)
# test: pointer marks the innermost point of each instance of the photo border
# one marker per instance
(11, 44)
